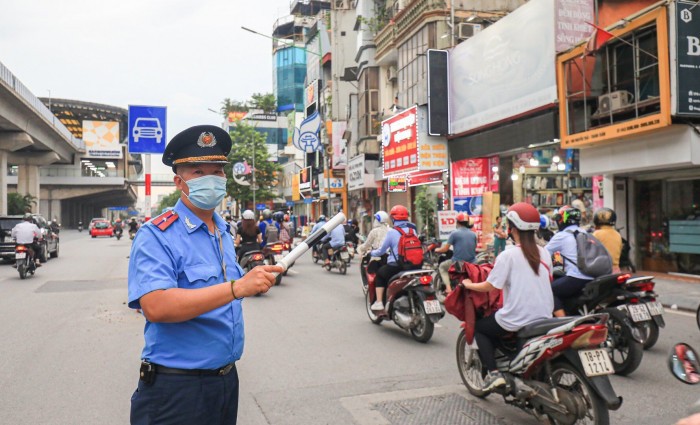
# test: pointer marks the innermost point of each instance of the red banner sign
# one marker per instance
(400, 142)
(429, 177)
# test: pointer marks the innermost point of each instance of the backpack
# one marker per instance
(410, 249)
(271, 233)
(591, 256)
(284, 234)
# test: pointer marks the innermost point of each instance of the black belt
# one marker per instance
(222, 371)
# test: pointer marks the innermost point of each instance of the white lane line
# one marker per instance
(679, 312)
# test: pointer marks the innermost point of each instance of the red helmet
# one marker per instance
(463, 218)
(524, 216)
(399, 212)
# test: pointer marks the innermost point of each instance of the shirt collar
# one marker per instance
(192, 222)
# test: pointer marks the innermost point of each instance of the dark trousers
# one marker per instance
(186, 400)
(246, 247)
(487, 332)
(385, 273)
(567, 287)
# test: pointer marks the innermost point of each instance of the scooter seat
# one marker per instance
(543, 326)
(410, 273)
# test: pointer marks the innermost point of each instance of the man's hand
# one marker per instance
(690, 420)
(258, 280)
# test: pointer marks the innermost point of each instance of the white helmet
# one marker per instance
(248, 215)
(382, 217)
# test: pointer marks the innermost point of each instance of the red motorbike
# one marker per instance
(410, 300)
(554, 369)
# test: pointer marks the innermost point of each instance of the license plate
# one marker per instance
(20, 255)
(655, 308)
(432, 307)
(639, 313)
(344, 255)
(596, 362)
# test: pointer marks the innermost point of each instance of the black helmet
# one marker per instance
(278, 216)
(604, 217)
(321, 217)
(28, 217)
(567, 216)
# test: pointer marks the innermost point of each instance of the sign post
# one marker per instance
(147, 135)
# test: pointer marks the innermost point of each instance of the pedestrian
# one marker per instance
(183, 274)
(500, 234)
(463, 242)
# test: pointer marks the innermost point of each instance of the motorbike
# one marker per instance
(625, 340)
(118, 233)
(430, 257)
(316, 253)
(273, 253)
(339, 260)
(80, 226)
(438, 284)
(555, 369)
(650, 321)
(410, 301)
(24, 261)
(132, 234)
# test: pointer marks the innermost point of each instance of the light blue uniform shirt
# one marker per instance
(337, 237)
(186, 255)
(565, 243)
(391, 242)
(317, 226)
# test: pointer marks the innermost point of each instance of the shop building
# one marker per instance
(632, 106)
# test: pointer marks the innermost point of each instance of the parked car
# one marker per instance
(95, 220)
(48, 242)
(102, 228)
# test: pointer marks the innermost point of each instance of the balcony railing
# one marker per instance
(16, 85)
(414, 11)
(385, 39)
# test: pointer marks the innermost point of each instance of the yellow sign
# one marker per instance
(432, 155)
(295, 187)
(622, 129)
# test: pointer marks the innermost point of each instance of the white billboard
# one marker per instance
(505, 70)
(101, 139)
(360, 173)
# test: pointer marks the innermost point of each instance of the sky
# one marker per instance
(184, 54)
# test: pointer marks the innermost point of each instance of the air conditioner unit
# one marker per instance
(613, 101)
(466, 30)
(391, 73)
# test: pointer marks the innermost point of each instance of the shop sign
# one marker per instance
(396, 184)
(473, 177)
(305, 182)
(447, 223)
(360, 173)
(499, 73)
(572, 23)
(432, 150)
(420, 178)
(687, 69)
(336, 183)
(340, 153)
(296, 196)
(400, 142)
(262, 117)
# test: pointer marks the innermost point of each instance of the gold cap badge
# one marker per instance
(206, 140)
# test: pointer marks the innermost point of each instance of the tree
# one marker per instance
(19, 204)
(169, 201)
(228, 105)
(425, 208)
(247, 142)
(266, 102)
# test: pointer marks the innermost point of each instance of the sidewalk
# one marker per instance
(679, 291)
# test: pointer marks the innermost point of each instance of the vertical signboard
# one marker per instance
(400, 142)
(305, 182)
(447, 223)
(470, 180)
(340, 153)
(438, 93)
(147, 126)
(687, 64)
(572, 23)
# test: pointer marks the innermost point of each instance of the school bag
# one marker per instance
(271, 233)
(284, 234)
(410, 249)
(591, 256)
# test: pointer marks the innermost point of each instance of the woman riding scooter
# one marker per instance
(249, 236)
(524, 274)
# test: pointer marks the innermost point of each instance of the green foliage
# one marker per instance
(19, 204)
(266, 102)
(168, 201)
(425, 208)
(248, 143)
(228, 105)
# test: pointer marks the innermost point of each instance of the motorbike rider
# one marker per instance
(399, 214)
(524, 275)
(376, 236)
(321, 221)
(334, 240)
(232, 226)
(26, 233)
(286, 229)
(352, 229)
(564, 242)
(118, 226)
(604, 220)
(55, 227)
(267, 221)
(463, 242)
(249, 236)
(133, 225)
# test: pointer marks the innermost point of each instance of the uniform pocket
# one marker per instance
(201, 273)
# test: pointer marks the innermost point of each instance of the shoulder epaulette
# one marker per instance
(164, 220)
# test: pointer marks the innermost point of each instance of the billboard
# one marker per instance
(687, 58)
(340, 153)
(360, 173)
(101, 139)
(504, 70)
(396, 184)
(400, 142)
(572, 23)
(305, 182)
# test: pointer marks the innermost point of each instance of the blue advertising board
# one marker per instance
(290, 203)
(260, 207)
(147, 126)
(308, 200)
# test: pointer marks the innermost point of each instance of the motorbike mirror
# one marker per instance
(683, 363)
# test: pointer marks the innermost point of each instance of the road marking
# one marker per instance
(679, 312)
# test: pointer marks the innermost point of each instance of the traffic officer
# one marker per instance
(184, 276)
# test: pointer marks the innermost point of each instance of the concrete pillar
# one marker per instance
(9, 141)
(609, 191)
(54, 210)
(3, 182)
(28, 177)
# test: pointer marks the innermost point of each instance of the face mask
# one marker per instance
(206, 192)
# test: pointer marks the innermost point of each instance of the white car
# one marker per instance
(147, 127)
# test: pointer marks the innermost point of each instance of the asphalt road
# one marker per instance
(69, 352)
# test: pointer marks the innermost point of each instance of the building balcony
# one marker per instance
(385, 40)
(417, 11)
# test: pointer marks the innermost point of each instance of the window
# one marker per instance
(412, 66)
(368, 103)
